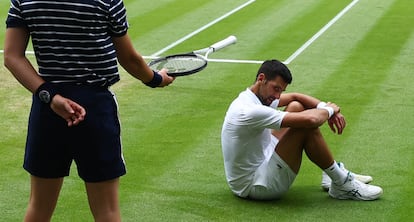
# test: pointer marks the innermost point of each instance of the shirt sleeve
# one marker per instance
(266, 117)
(118, 24)
(256, 116)
(14, 17)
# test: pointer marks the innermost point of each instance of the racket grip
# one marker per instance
(224, 43)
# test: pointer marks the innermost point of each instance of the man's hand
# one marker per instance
(166, 79)
(337, 123)
(72, 112)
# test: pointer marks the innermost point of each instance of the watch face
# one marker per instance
(44, 96)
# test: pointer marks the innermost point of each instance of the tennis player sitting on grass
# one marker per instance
(263, 146)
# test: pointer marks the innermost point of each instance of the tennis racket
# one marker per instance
(189, 63)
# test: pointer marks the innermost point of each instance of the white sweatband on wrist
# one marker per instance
(320, 105)
(329, 109)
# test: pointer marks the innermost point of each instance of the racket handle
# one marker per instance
(224, 43)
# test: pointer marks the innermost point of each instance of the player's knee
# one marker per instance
(295, 106)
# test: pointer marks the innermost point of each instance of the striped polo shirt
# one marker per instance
(72, 38)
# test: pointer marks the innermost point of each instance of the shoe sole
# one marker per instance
(346, 197)
(364, 179)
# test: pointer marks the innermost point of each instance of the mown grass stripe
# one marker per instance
(320, 32)
(204, 27)
(362, 74)
(256, 35)
(184, 104)
(161, 26)
(374, 140)
(390, 133)
(368, 64)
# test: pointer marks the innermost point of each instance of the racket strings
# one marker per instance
(180, 64)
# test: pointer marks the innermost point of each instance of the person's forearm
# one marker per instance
(310, 118)
(23, 71)
(136, 66)
(308, 102)
(131, 60)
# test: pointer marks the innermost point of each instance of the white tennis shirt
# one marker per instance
(246, 139)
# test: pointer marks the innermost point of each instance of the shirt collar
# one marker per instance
(252, 96)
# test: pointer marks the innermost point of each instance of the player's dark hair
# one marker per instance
(273, 68)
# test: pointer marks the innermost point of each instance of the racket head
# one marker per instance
(179, 64)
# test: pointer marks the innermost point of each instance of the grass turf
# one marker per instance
(171, 136)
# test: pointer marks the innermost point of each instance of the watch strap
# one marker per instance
(46, 92)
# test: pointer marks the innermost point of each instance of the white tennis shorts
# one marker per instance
(272, 179)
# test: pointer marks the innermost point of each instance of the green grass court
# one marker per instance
(171, 136)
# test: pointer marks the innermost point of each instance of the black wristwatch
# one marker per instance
(46, 92)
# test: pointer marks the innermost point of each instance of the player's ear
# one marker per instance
(261, 77)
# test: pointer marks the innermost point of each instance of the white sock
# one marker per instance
(337, 175)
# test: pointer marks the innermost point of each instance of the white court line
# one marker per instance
(218, 60)
(202, 28)
(320, 32)
(27, 52)
(236, 61)
(287, 61)
(155, 55)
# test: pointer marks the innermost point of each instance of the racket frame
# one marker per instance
(182, 55)
(197, 54)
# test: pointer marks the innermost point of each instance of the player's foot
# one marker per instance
(326, 180)
(354, 190)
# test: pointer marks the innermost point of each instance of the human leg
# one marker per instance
(44, 194)
(316, 147)
(291, 107)
(104, 200)
(292, 143)
(296, 140)
(326, 180)
(344, 185)
(98, 151)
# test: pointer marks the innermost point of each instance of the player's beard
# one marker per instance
(264, 100)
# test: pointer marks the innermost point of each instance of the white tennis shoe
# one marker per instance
(354, 189)
(326, 180)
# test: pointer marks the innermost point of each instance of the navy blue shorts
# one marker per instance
(94, 144)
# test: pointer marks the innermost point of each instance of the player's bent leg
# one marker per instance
(290, 147)
(292, 143)
(294, 107)
(310, 140)
(291, 107)
(44, 194)
(317, 149)
(103, 200)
